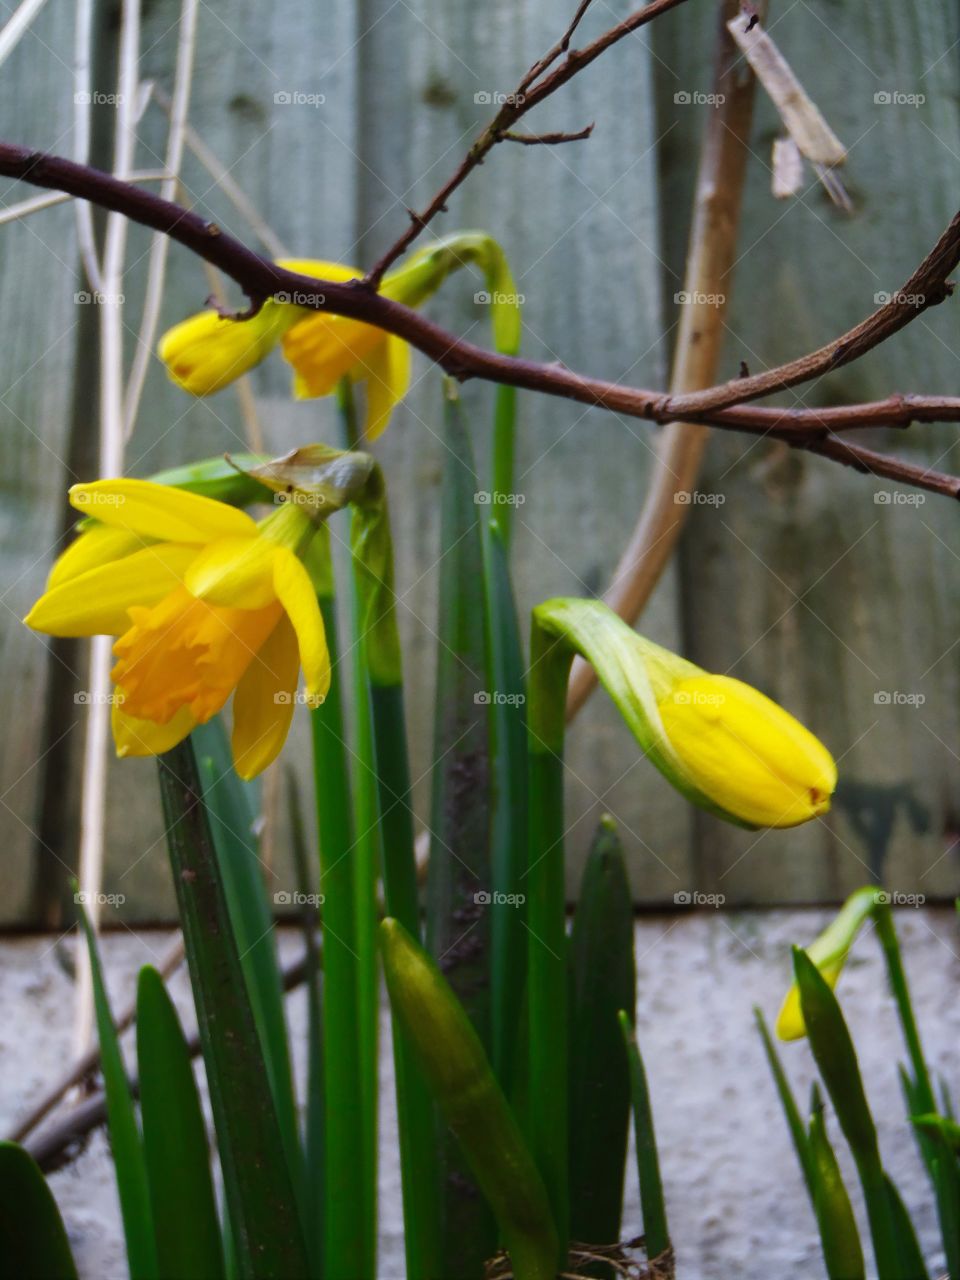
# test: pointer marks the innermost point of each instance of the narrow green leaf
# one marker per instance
(508, 837)
(348, 1238)
(648, 1163)
(472, 1102)
(174, 1141)
(315, 1124)
(33, 1243)
(267, 1234)
(459, 877)
(795, 1124)
(839, 1237)
(837, 1060)
(231, 808)
(603, 981)
(128, 1157)
(912, 1266)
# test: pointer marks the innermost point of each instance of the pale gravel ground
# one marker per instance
(736, 1203)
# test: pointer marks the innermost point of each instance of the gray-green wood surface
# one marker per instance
(799, 581)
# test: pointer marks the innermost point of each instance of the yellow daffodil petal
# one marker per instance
(334, 271)
(95, 546)
(234, 572)
(746, 753)
(323, 349)
(264, 701)
(133, 737)
(96, 602)
(387, 374)
(207, 352)
(160, 511)
(296, 593)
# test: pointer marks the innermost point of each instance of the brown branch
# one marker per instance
(869, 462)
(538, 83)
(260, 278)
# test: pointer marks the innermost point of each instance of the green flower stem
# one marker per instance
(886, 932)
(349, 1238)
(373, 567)
(504, 426)
(546, 922)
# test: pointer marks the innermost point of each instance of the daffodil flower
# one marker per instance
(207, 352)
(727, 747)
(204, 601)
(829, 953)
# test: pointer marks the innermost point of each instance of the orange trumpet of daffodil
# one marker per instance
(205, 602)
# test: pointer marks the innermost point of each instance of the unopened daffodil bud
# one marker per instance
(207, 352)
(724, 745)
(746, 753)
(829, 953)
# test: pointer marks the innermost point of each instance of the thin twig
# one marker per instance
(160, 244)
(548, 139)
(537, 84)
(719, 406)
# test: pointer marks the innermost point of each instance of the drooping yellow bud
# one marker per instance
(207, 352)
(829, 953)
(745, 753)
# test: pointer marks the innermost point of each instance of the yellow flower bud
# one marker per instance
(744, 752)
(208, 351)
(829, 953)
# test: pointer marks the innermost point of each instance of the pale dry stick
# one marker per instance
(228, 185)
(93, 803)
(169, 962)
(82, 101)
(17, 25)
(713, 240)
(160, 244)
(14, 212)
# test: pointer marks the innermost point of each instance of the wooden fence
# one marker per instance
(817, 584)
